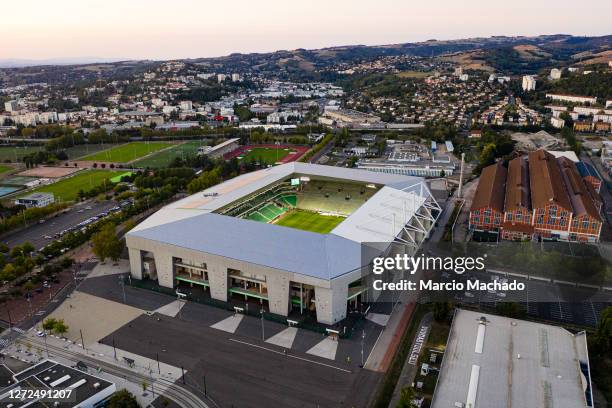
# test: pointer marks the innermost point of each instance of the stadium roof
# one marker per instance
(552, 370)
(192, 223)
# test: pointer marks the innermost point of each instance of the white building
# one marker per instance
(186, 105)
(529, 83)
(555, 73)
(495, 361)
(223, 240)
(36, 200)
(221, 77)
(235, 77)
(572, 98)
(557, 122)
(10, 106)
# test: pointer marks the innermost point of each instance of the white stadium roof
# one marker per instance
(192, 223)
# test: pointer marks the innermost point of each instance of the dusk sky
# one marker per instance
(134, 29)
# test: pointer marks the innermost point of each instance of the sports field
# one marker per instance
(127, 152)
(68, 189)
(13, 154)
(4, 169)
(164, 158)
(309, 221)
(268, 155)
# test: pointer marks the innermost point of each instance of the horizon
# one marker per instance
(144, 30)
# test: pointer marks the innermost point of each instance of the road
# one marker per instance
(36, 233)
(182, 396)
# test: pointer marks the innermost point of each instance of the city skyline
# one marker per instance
(113, 30)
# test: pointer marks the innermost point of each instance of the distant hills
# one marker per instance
(511, 55)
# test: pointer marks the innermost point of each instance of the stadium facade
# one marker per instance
(289, 236)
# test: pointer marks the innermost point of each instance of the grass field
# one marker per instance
(309, 221)
(4, 169)
(265, 154)
(127, 152)
(67, 189)
(13, 154)
(413, 74)
(163, 159)
(79, 151)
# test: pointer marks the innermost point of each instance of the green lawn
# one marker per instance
(4, 169)
(78, 151)
(68, 188)
(265, 154)
(127, 152)
(309, 221)
(163, 159)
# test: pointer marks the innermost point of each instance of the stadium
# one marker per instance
(289, 237)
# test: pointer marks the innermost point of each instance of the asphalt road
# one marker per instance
(238, 370)
(36, 233)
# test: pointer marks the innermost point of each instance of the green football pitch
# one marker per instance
(265, 154)
(67, 189)
(127, 152)
(309, 221)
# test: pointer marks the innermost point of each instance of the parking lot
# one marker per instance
(556, 302)
(240, 370)
(44, 233)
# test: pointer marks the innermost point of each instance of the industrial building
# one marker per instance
(495, 361)
(36, 200)
(538, 197)
(290, 238)
(86, 390)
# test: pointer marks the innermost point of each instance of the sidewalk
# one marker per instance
(382, 354)
(410, 368)
(159, 378)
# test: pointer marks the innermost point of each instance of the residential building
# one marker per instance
(529, 83)
(572, 98)
(10, 106)
(555, 73)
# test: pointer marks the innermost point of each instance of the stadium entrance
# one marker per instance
(245, 286)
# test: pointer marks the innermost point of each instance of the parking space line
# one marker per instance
(289, 355)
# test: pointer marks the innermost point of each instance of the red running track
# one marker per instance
(291, 157)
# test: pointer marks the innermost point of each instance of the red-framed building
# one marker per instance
(487, 210)
(517, 207)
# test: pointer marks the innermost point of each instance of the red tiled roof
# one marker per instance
(517, 185)
(491, 188)
(546, 181)
(578, 192)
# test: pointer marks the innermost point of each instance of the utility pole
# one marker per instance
(82, 342)
(114, 348)
(158, 367)
(204, 379)
(461, 174)
(263, 336)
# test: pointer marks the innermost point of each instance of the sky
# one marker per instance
(155, 29)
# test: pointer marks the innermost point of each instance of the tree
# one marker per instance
(49, 324)
(406, 396)
(487, 156)
(27, 248)
(441, 310)
(60, 327)
(8, 273)
(123, 399)
(106, 244)
(144, 385)
(602, 339)
(28, 286)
